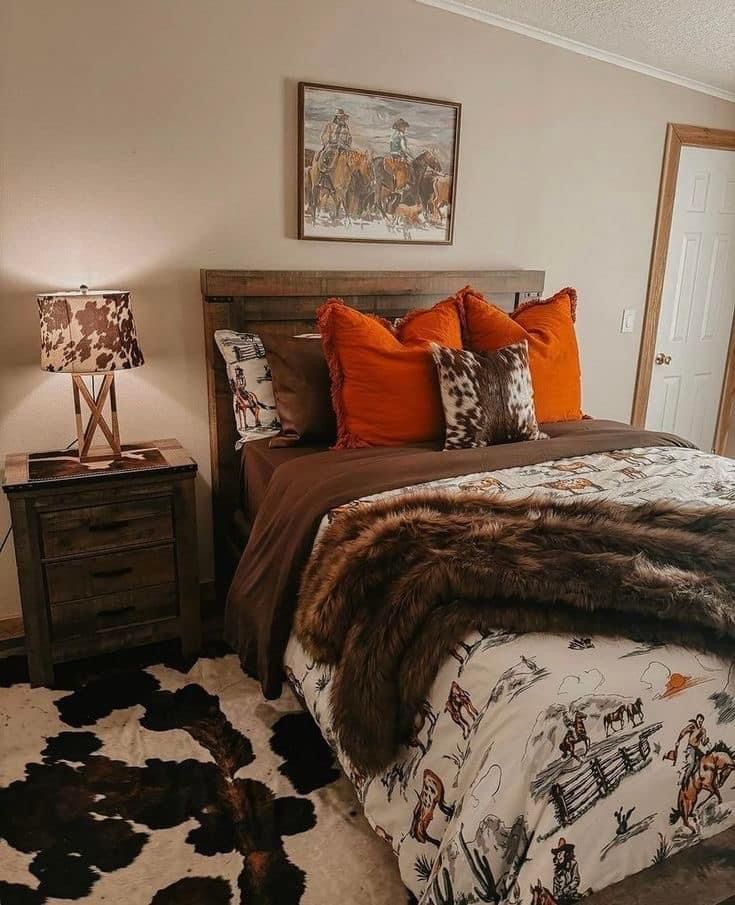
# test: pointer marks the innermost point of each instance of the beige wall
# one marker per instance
(143, 139)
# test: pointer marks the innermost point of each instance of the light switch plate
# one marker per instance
(628, 322)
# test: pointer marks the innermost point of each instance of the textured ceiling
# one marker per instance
(694, 39)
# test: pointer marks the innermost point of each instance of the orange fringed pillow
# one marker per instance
(548, 327)
(441, 324)
(385, 390)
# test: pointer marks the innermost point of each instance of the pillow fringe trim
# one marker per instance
(531, 303)
(457, 298)
(345, 439)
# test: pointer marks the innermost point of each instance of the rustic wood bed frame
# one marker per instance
(285, 301)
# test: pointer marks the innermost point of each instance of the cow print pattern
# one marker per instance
(487, 397)
(84, 333)
(174, 784)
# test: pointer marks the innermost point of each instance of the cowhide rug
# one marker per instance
(144, 781)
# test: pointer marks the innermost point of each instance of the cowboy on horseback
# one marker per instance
(244, 400)
(239, 382)
(398, 141)
(335, 137)
(696, 743)
(704, 772)
(393, 172)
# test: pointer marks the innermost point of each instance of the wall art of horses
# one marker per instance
(376, 167)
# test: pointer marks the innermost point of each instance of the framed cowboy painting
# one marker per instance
(376, 167)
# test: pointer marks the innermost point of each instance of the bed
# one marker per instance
(286, 301)
(542, 766)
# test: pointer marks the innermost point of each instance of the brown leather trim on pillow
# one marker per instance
(301, 388)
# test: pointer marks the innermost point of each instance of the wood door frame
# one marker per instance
(677, 136)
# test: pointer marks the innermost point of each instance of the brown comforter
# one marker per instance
(262, 598)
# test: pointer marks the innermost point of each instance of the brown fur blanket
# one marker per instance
(394, 585)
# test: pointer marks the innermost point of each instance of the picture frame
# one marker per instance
(376, 166)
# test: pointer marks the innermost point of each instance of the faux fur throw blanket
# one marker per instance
(396, 584)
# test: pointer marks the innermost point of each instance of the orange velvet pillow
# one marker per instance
(548, 327)
(385, 390)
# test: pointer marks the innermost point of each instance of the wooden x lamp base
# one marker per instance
(96, 419)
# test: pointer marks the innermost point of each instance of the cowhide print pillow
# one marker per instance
(487, 396)
(251, 384)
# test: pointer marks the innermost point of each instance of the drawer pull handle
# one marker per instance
(120, 611)
(112, 573)
(108, 526)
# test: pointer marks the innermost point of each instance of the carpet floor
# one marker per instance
(145, 781)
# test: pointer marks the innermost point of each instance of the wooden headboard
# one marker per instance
(285, 301)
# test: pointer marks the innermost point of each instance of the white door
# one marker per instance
(698, 299)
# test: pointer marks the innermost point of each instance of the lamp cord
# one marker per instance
(4, 541)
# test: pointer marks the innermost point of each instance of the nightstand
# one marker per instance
(106, 551)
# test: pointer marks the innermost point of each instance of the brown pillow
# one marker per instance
(487, 396)
(302, 390)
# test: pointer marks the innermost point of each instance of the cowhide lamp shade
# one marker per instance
(87, 332)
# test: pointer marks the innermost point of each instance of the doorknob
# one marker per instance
(662, 359)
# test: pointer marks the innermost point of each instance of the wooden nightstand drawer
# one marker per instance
(84, 530)
(86, 618)
(108, 573)
(106, 551)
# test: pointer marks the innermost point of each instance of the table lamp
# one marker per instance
(88, 332)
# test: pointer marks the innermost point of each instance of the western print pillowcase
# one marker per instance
(251, 385)
(487, 396)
